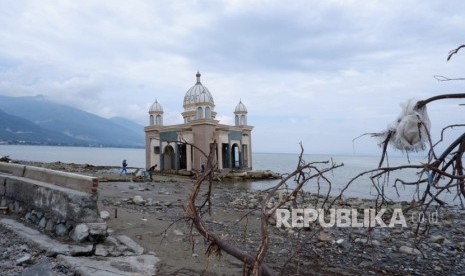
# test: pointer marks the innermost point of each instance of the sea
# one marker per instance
(281, 163)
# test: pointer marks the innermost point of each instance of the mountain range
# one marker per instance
(36, 120)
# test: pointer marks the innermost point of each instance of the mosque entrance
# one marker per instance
(169, 158)
(235, 157)
(225, 154)
(182, 156)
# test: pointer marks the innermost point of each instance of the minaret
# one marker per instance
(156, 114)
(240, 114)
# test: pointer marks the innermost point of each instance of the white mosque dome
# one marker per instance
(156, 107)
(198, 95)
(240, 107)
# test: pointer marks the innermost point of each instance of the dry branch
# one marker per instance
(253, 263)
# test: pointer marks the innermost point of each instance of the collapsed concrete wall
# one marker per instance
(55, 201)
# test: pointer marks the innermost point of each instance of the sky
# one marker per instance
(317, 72)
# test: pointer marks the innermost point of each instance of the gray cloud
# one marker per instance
(320, 72)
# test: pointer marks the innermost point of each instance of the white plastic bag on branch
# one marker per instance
(411, 129)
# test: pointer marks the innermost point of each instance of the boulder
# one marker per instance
(80, 232)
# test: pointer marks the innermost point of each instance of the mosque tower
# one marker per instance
(156, 114)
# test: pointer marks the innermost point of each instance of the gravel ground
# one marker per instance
(313, 250)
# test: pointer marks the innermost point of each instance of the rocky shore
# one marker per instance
(151, 213)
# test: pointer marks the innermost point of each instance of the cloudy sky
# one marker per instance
(316, 72)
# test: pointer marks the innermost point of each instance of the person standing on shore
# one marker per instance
(123, 169)
(152, 171)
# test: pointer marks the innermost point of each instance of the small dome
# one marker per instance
(198, 94)
(156, 107)
(240, 107)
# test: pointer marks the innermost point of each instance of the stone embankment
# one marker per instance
(54, 201)
(64, 205)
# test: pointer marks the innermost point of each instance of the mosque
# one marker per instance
(169, 147)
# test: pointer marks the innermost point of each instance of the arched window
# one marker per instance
(208, 113)
(243, 120)
(237, 120)
(199, 112)
(159, 120)
(151, 120)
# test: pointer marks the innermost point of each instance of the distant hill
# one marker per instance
(14, 130)
(77, 126)
(128, 124)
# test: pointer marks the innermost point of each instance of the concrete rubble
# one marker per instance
(118, 255)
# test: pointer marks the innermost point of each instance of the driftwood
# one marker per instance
(253, 262)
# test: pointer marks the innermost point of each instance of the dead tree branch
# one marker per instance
(254, 263)
(454, 51)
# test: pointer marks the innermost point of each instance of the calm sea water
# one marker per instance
(281, 163)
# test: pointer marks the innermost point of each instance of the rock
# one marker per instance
(341, 243)
(409, 250)
(98, 231)
(131, 245)
(49, 226)
(111, 241)
(361, 240)
(61, 230)
(437, 239)
(37, 216)
(77, 250)
(43, 223)
(25, 259)
(253, 200)
(138, 200)
(178, 232)
(375, 243)
(80, 232)
(324, 237)
(101, 250)
(105, 215)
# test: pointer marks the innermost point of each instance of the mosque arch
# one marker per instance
(169, 158)
(208, 113)
(235, 156)
(199, 112)
(158, 120)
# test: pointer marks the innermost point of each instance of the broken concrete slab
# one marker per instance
(43, 241)
(73, 255)
(44, 268)
(130, 244)
(110, 266)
